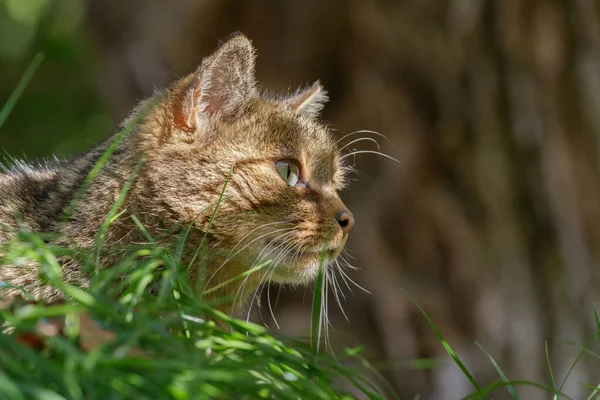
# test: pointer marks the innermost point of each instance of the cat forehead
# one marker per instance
(276, 127)
(300, 131)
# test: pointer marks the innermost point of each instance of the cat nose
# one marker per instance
(345, 219)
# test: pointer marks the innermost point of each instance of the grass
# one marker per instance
(190, 351)
(510, 385)
(142, 330)
(18, 91)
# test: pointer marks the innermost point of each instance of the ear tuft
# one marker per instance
(223, 84)
(309, 101)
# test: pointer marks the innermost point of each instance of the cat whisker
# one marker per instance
(336, 289)
(369, 152)
(346, 281)
(353, 282)
(338, 266)
(364, 131)
(325, 312)
(254, 230)
(269, 302)
(254, 265)
(269, 299)
(266, 277)
(258, 260)
(283, 254)
(258, 293)
(279, 287)
(324, 323)
(346, 263)
(248, 234)
(238, 292)
(325, 303)
(268, 248)
(362, 139)
(244, 247)
(346, 253)
(336, 283)
(320, 327)
(286, 236)
(329, 324)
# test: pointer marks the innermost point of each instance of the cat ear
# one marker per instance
(224, 84)
(309, 101)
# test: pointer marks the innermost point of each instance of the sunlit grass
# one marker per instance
(142, 329)
(164, 343)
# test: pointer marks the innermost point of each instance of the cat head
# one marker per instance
(279, 169)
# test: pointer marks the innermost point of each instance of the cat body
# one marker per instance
(211, 131)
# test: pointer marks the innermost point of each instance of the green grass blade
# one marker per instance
(142, 229)
(8, 388)
(510, 389)
(550, 366)
(597, 320)
(114, 210)
(112, 147)
(580, 347)
(319, 321)
(498, 385)
(20, 88)
(378, 375)
(236, 278)
(317, 307)
(595, 390)
(447, 347)
(581, 353)
(212, 217)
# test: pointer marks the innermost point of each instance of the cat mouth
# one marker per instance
(324, 253)
(304, 267)
(324, 256)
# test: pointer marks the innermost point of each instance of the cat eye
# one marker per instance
(289, 171)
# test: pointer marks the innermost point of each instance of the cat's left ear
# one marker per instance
(223, 85)
(309, 101)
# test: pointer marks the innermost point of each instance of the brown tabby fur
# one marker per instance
(199, 128)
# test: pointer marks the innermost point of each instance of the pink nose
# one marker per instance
(345, 219)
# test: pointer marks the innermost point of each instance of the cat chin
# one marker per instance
(298, 274)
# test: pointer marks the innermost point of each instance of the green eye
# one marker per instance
(289, 171)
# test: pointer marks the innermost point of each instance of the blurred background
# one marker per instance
(492, 219)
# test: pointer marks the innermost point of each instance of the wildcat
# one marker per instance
(211, 130)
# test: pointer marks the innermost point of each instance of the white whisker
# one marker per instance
(346, 282)
(267, 276)
(363, 131)
(256, 263)
(346, 262)
(369, 152)
(242, 249)
(254, 230)
(362, 139)
(346, 253)
(355, 284)
(337, 287)
(283, 254)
